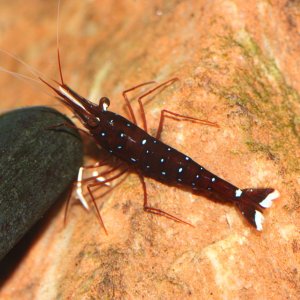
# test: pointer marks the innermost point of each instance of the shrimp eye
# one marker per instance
(93, 122)
(104, 103)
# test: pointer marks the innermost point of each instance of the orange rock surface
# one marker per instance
(239, 64)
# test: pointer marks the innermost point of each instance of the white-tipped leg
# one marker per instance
(79, 193)
(259, 220)
(267, 202)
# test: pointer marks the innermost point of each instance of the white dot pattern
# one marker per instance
(157, 160)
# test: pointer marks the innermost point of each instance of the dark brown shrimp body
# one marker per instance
(152, 158)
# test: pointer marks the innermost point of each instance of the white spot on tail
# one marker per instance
(259, 219)
(267, 202)
(238, 193)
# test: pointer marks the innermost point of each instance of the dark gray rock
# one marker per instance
(37, 165)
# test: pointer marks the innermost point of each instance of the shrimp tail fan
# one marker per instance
(252, 202)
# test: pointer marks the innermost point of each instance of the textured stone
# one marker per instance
(239, 63)
(37, 166)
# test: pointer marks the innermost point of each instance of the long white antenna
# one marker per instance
(31, 69)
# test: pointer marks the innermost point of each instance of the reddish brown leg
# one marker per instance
(92, 178)
(102, 174)
(178, 117)
(75, 185)
(164, 84)
(89, 186)
(157, 211)
(110, 189)
(68, 203)
(127, 102)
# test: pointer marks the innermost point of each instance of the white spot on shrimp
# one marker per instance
(122, 134)
(103, 133)
(162, 160)
(163, 173)
(193, 183)
(133, 159)
(169, 149)
(144, 142)
(197, 176)
(187, 158)
(119, 147)
(148, 167)
(238, 193)
(154, 141)
(201, 168)
(110, 151)
(267, 202)
(259, 219)
(111, 122)
(180, 170)
(179, 179)
(213, 179)
(147, 151)
(128, 124)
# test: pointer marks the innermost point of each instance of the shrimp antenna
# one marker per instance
(57, 43)
(35, 72)
(34, 82)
